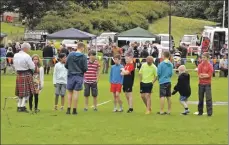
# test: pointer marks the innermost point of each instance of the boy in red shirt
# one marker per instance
(128, 81)
(205, 71)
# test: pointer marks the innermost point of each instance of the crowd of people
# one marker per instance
(74, 69)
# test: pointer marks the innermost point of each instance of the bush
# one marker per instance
(120, 16)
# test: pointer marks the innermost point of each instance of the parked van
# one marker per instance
(217, 36)
(164, 40)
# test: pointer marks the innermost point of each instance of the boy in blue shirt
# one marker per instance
(116, 80)
(165, 72)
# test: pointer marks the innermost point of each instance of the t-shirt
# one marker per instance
(91, 75)
(148, 72)
(223, 63)
(116, 51)
(129, 79)
(205, 68)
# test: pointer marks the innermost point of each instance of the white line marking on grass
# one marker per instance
(102, 103)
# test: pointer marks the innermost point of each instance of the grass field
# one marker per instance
(180, 26)
(13, 32)
(106, 127)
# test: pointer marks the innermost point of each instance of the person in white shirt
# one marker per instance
(60, 80)
(24, 82)
(38, 81)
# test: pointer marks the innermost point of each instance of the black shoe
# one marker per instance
(85, 109)
(68, 112)
(130, 111)
(209, 115)
(24, 109)
(95, 109)
(74, 113)
(200, 114)
(18, 109)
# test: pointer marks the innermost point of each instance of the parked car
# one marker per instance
(69, 43)
(189, 40)
(101, 43)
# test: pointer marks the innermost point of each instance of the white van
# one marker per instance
(164, 40)
(217, 36)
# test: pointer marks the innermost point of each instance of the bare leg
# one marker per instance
(162, 103)
(62, 101)
(119, 100)
(130, 100)
(127, 98)
(169, 104)
(75, 98)
(86, 102)
(144, 99)
(148, 97)
(95, 102)
(70, 93)
(115, 101)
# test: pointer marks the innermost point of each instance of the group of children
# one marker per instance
(74, 71)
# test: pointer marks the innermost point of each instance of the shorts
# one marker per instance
(127, 88)
(90, 87)
(165, 90)
(183, 98)
(116, 88)
(146, 87)
(74, 82)
(60, 90)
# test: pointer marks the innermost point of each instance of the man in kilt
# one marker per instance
(24, 82)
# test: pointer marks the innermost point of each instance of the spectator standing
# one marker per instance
(47, 57)
(106, 55)
(223, 65)
(224, 50)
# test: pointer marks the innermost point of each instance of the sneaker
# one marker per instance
(187, 111)
(19, 109)
(55, 108)
(85, 109)
(115, 110)
(147, 112)
(130, 111)
(209, 115)
(95, 109)
(62, 108)
(164, 113)
(74, 113)
(68, 112)
(23, 109)
(120, 110)
(184, 113)
(37, 110)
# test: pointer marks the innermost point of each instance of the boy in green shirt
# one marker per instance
(148, 76)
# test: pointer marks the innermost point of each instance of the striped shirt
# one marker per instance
(91, 75)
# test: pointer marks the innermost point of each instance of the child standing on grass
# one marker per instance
(128, 81)
(91, 79)
(165, 72)
(60, 80)
(205, 71)
(183, 87)
(116, 80)
(38, 81)
(77, 65)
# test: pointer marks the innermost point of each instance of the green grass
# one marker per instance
(180, 26)
(106, 127)
(13, 32)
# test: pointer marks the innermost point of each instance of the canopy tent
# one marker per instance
(71, 33)
(3, 35)
(137, 34)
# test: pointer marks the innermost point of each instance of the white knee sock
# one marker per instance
(19, 102)
(23, 101)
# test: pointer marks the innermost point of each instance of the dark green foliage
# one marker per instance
(119, 16)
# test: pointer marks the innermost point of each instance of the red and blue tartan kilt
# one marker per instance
(24, 84)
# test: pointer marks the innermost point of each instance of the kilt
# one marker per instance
(24, 84)
(3, 63)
